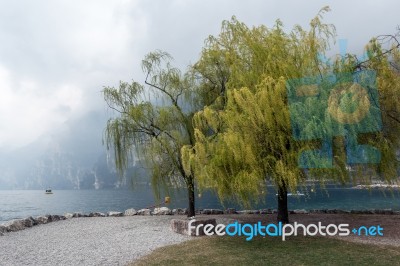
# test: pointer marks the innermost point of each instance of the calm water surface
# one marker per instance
(24, 203)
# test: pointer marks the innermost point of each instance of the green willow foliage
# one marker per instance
(154, 121)
(244, 138)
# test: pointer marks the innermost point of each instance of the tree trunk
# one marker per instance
(190, 187)
(283, 215)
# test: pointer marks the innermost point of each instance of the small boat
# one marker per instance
(48, 191)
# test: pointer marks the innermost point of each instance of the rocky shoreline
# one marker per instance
(21, 224)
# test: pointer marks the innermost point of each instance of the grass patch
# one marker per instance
(271, 251)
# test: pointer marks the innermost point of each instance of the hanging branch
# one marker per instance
(386, 38)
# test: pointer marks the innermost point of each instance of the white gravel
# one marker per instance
(88, 241)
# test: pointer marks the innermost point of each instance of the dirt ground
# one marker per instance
(389, 223)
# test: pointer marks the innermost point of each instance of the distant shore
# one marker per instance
(377, 185)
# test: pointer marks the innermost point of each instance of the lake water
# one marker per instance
(24, 203)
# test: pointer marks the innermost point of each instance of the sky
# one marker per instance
(57, 55)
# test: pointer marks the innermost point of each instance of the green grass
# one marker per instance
(272, 251)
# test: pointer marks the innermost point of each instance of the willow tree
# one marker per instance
(245, 137)
(154, 122)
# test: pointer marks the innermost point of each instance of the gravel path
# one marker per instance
(88, 241)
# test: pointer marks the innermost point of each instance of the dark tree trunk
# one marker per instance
(283, 215)
(190, 186)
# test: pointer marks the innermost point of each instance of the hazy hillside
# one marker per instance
(71, 158)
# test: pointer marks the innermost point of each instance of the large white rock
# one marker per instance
(180, 211)
(144, 212)
(16, 225)
(29, 222)
(3, 229)
(42, 219)
(162, 211)
(130, 212)
(68, 215)
(55, 218)
(115, 214)
(302, 211)
(249, 212)
(97, 214)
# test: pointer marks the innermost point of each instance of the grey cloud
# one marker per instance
(62, 53)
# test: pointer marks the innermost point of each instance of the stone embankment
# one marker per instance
(20, 224)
